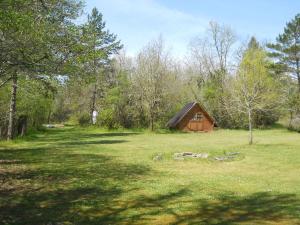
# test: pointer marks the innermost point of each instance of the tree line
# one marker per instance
(54, 70)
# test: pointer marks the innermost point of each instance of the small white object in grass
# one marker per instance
(94, 117)
(158, 157)
(49, 125)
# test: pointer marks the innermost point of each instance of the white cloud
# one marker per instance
(138, 21)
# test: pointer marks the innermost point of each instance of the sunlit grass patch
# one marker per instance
(93, 176)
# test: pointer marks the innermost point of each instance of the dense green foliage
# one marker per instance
(286, 49)
(53, 70)
(286, 52)
(36, 38)
(254, 91)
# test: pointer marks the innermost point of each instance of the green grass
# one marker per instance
(89, 176)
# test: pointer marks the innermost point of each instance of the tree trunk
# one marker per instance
(93, 103)
(298, 74)
(12, 110)
(151, 119)
(250, 127)
(95, 87)
(22, 125)
(23, 130)
(291, 118)
(49, 116)
(152, 123)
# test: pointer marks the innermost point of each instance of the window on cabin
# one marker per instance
(197, 117)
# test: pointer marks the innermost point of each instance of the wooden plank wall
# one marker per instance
(207, 124)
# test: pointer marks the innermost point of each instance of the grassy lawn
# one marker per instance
(90, 176)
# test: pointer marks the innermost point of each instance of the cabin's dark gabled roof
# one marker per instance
(179, 116)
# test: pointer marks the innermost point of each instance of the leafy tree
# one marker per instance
(291, 99)
(286, 50)
(34, 102)
(210, 66)
(32, 42)
(253, 88)
(154, 83)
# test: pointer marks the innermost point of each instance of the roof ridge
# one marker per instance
(178, 116)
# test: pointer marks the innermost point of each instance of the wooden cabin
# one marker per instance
(192, 117)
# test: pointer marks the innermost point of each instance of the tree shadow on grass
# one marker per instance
(95, 142)
(55, 187)
(62, 163)
(68, 188)
(261, 207)
(66, 138)
(111, 134)
(52, 135)
(97, 205)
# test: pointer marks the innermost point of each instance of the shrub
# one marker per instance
(84, 120)
(265, 118)
(108, 118)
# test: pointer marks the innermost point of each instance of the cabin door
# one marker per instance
(195, 125)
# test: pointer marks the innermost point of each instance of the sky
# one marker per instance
(136, 22)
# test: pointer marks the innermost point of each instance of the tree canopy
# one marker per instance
(287, 49)
(54, 69)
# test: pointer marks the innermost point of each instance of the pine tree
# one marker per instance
(99, 44)
(286, 50)
(253, 43)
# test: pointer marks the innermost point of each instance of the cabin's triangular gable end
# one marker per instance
(207, 115)
(174, 121)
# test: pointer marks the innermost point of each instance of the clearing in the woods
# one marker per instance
(91, 176)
